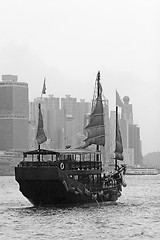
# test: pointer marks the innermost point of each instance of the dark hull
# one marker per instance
(51, 187)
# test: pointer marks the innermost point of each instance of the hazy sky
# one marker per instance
(68, 42)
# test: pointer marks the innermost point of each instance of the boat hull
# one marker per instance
(52, 187)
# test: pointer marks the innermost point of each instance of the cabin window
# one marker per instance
(76, 177)
(78, 158)
(53, 158)
(88, 157)
(61, 157)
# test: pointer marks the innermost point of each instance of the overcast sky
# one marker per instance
(68, 42)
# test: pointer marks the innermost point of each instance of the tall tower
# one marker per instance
(13, 114)
(130, 135)
(127, 114)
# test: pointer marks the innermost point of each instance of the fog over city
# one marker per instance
(68, 42)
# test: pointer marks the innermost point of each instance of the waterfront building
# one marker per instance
(13, 114)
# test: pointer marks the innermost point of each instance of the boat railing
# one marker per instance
(36, 164)
(84, 165)
(64, 165)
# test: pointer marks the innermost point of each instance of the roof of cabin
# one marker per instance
(62, 152)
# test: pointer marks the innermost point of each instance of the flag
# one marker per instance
(41, 137)
(118, 100)
(44, 87)
(99, 85)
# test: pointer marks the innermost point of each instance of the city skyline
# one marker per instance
(44, 97)
(69, 42)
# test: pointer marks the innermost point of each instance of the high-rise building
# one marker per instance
(127, 113)
(130, 135)
(135, 143)
(13, 114)
(74, 114)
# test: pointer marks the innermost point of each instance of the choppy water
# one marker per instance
(135, 216)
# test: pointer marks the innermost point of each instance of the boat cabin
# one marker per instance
(66, 159)
(82, 165)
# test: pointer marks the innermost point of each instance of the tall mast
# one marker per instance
(116, 136)
(41, 137)
(95, 128)
(98, 93)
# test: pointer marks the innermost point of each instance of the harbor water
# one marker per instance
(136, 215)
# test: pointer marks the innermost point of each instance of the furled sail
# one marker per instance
(119, 144)
(41, 137)
(95, 129)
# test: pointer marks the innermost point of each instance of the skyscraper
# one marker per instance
(74, 116)
(130, 135)
(13, 114)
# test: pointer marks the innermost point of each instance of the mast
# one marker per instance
(39, 151)
(116, 136)
(39, 145)
(98, 93)
(95, 128)
(118, 142)
(41, 137)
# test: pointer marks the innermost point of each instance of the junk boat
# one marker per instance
(73, 176)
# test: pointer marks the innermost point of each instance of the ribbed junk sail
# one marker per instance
(41, 137)
(95, 129)
(119, 145)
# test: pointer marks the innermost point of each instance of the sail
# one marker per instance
(119, 144)
(118, 100)
(41, 137)
(95, 129)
